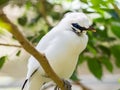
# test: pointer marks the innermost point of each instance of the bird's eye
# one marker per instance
(75, 25)
(78, 26)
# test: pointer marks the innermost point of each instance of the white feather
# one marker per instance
(62, 47)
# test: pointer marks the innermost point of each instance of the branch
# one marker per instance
(41, 8)
(81, 85)
(10, 45)
(29, 48)
(116, 9)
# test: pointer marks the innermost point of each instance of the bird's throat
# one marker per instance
(76, 31)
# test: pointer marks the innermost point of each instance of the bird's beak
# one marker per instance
(91, 29)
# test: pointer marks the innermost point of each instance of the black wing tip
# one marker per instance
(24, 84)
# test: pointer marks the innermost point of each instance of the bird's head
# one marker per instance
(78, 22)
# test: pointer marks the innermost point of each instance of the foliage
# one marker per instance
(3, 1)
(2, 61)
(102, 45)
(95, 67)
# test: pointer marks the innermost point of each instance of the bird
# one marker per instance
(62, 46)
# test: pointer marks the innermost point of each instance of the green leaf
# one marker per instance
(95, 67)
(105, 50)
(96, 2)
(28, 5)
(34, 20)
(112, 12)
(3, 1)
(55, 15)
(91, 49)
(22, 20)
(110, 39)
(85, 1)
(107, 64)
(2, 61)
(101, 35)
(5, 26)
(74, 76)
(18, 53)
(116, 52)
(100, 19)
(37, 39)
(116, 29)
(82, 58)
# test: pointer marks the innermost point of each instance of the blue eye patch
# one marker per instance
(75, 25)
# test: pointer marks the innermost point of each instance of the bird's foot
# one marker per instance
(67, 85)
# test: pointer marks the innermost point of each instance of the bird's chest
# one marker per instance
(65, 45)
(63, 53)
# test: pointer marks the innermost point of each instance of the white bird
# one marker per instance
(62, 46)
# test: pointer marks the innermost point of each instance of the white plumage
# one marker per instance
(62, 46)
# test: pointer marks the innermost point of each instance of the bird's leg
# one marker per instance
(67, 85)
(56, 87)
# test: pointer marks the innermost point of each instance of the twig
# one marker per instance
(116, 9)
(29, 48)
(10, 45)
(81, 85)
(41, 8)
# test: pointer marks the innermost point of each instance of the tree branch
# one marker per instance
(10, 45)
(116, 9)
(29, 48)
(81, 85)
(41, 8)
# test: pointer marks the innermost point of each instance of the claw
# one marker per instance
(67, 85)
(56, 88)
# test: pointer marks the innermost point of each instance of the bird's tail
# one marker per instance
(35, 82)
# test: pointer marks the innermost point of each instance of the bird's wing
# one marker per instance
(47, 39)
(44, 43)
(33, 64)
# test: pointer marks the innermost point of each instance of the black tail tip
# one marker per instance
(24, 84)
